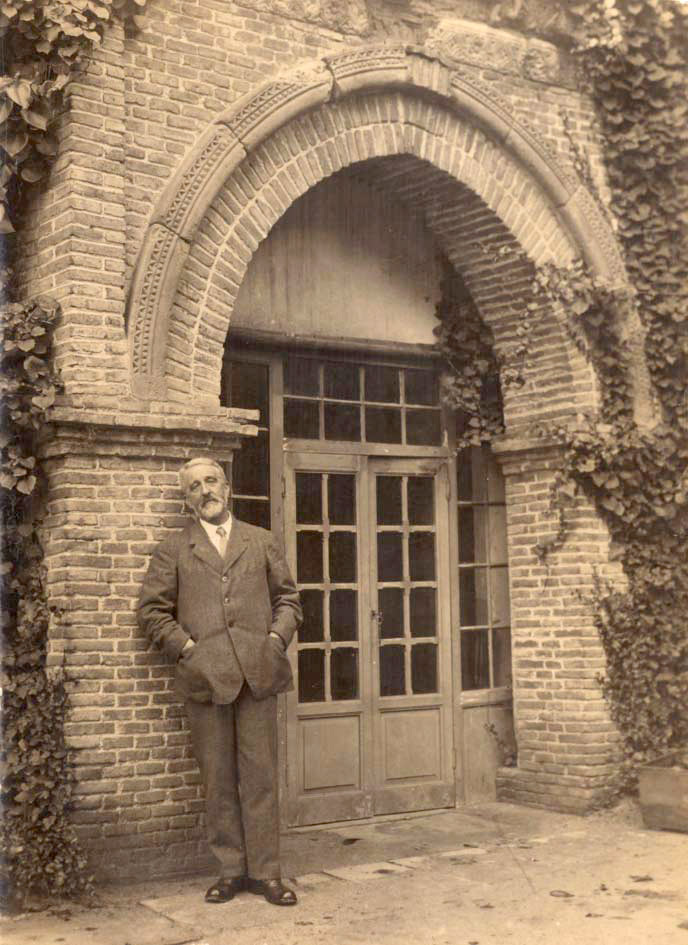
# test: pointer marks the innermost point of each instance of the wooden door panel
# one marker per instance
(331, 752)
(411, 745)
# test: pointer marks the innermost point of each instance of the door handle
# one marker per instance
(376, 615)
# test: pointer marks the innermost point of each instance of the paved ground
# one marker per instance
(493, 874)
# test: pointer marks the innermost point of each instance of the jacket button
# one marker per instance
(225, 578)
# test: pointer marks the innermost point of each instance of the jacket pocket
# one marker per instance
(208, 672)
(277, 675)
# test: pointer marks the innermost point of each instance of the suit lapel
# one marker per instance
(237, 544)
(203, 548)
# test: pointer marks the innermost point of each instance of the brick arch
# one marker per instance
(259, 156)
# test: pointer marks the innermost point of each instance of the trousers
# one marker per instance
(235, 746)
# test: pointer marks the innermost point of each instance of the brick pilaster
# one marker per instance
(567, 744)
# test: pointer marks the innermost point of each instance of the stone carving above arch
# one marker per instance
(333, 82)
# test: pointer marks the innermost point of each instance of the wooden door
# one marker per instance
(369, 723)
(412, 704)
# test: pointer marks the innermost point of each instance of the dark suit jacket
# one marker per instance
(227, 607)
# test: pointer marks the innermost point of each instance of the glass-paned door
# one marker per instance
(369, 723)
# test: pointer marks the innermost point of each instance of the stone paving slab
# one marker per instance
(367, 871)
(544, 879)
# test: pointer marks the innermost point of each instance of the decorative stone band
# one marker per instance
(159, 433)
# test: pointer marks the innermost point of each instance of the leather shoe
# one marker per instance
(225, 889)
(273, 891)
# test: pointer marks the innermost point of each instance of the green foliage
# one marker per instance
(472, 386)
(634, 57)
(39, 851)
(28, 387)
(634, 54)
(44, 46)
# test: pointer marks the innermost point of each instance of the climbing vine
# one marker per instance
(43, 46)
(633, 57)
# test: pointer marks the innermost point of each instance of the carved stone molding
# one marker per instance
(459, 42)
(161, 434)
(424, 76)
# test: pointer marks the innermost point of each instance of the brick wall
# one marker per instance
(111, 459)
(567, 744)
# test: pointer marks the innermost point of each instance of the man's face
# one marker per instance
(206, 493)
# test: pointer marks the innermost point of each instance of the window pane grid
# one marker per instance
(347, 412)
(247, 384)
(483, 570)
(408, 658)
(330, 665)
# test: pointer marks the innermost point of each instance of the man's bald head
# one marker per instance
(188, 467)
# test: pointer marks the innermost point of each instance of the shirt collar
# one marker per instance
(211, 529)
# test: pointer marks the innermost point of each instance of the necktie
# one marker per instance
(221, 540)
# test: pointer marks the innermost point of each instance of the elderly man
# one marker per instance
(220, 601)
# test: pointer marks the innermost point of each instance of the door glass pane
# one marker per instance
(473, 596)
(342, 557)
(390, 560)
(424, 667)
(495, 479)
(312, 629)
(499, 597)
(308, 498)
(343, 614)
(344, 673)
(249, 387)
(472, 465)
(473, 534)
(302, 419)
(389, 500)
(421, 387)
(421, 500)
(252, 511)
(464, 476)
(383, 425)
(390, 602)
(423, 615)
(341, 499)
(341, 380)
(309, 557)
(498, 552)
(422, 556)
(342, 422)
(501, 654)
(311, 676)
(392, 673)
(423, 428)
(251, 466)
(382, 384)
(301, 376)
(475, 667)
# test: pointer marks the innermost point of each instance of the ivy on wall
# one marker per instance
(634, 60)
(43, 45)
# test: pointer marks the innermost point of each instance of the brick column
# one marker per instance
(568, 747)
(113, 493)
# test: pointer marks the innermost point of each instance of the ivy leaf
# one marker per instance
(26, 485)
(20, 92)
(44, 400)
(34, 118)
(15, 143)
(33, 172)
(6, 107)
